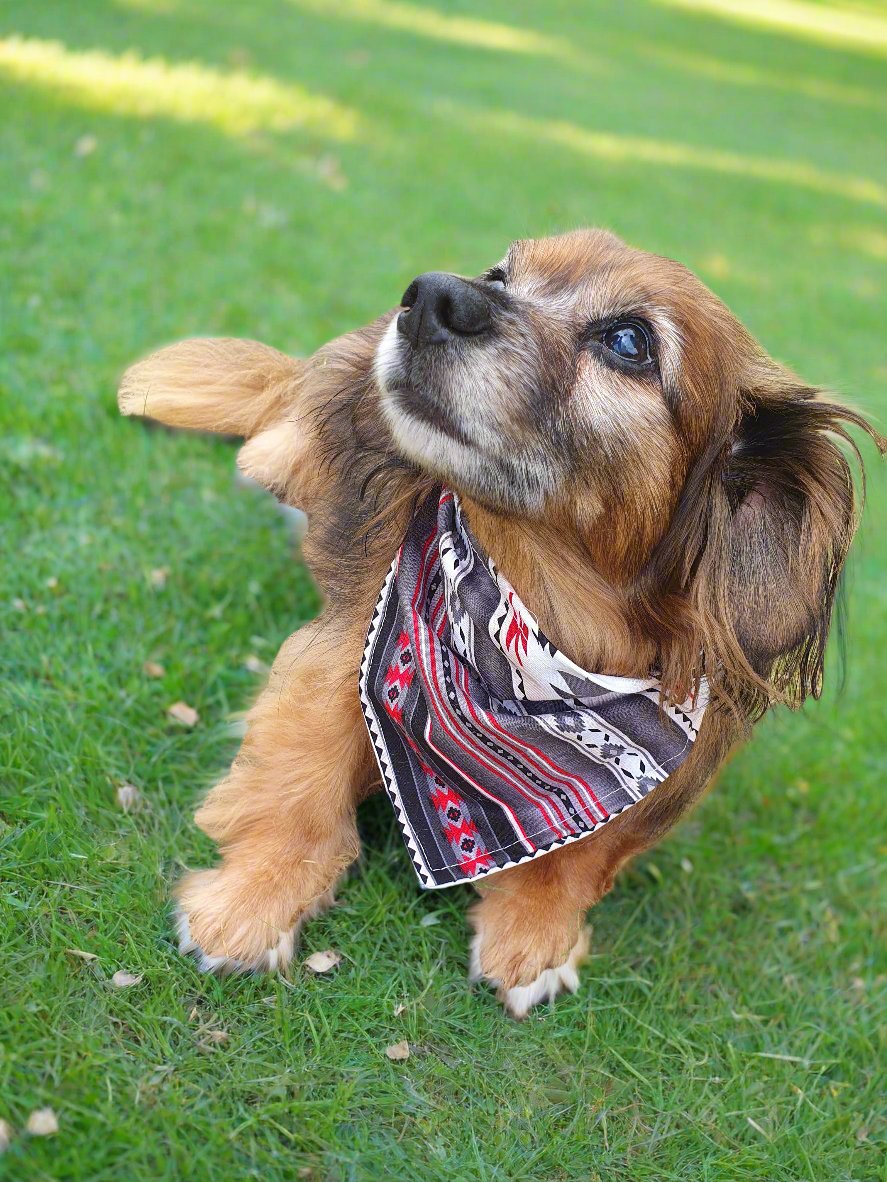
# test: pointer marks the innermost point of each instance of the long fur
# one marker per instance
(693, 518)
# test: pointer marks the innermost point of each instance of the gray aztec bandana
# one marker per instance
(494, 747)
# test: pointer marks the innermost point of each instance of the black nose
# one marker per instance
(440, 306)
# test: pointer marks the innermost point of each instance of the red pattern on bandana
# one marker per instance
(494, 746)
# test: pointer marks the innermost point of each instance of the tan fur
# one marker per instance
(223, 385)
(284, 815)
(702, 531)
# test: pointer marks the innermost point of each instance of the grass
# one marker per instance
(280, 169)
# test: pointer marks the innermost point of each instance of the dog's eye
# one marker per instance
(629, 341)
(495, 279)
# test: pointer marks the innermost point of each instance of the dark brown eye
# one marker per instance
(629, 341)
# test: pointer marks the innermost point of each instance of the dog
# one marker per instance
(663, 496)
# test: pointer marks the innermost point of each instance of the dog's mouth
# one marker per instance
(407, 401)
(422, 406)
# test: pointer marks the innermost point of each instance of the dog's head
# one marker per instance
(599, 394)
(583, 381)
(577, 369)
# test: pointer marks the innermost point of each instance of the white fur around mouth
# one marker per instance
(520, 999)
(272, 960)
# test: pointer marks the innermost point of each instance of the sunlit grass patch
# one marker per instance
(632, 149)
(829, 24)
(734, 73)
(234, 102)
(454, 28)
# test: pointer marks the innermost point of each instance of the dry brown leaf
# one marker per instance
(152, 669)
(216, 1036)
(158, 577)
(6, 1134)
(42, 1122)
(322, 962)
(255, 664)
(80, 954)
(123, 980)
(330, 172)
(129, 798)
(398, 1052)
(183, 713)
(85, 146)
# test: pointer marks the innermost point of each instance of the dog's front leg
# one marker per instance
(530, 935)
(284, 815)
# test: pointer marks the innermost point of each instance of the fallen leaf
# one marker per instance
(399, 1009)
(152, 669)
(85, 146)
(398, 1052)
(129, 798)
(183, 713)
(330, 172)
(80, 954)
(6, 1131)
(42, 1122)
(255, 665)
(862, 1133)
(158, 577)
(123, 980)
(216, 1036)
(430, 920)
(322, 962)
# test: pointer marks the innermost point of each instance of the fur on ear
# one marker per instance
(219, 384)
(751, 564)
(276, 459)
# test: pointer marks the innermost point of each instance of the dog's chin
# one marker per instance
(427, 435)
(420, 430)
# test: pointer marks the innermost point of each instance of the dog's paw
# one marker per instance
(518, 1000)
(220, 922)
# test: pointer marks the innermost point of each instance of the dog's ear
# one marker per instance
(767, 522)
(228, 386)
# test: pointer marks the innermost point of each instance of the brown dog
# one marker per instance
(661, 494)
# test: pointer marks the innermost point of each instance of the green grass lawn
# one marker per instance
(281, 169)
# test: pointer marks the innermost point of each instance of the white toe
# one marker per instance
(274, 959)
(520, 999)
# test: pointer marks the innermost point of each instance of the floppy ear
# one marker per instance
(219, 384)
(781, 515)
(750, 567)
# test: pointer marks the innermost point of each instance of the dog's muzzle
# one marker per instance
(439, 307)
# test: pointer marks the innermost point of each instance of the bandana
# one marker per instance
(494, 747)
